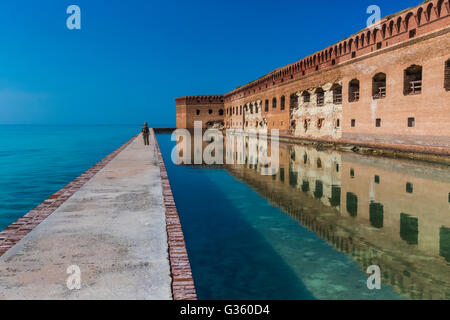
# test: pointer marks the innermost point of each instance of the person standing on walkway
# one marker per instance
(146, 134)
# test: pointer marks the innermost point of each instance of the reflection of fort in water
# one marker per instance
(395, 214)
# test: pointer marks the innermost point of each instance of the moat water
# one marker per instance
(37, 161)
(312, 230)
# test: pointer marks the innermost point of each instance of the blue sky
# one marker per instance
(132, 58)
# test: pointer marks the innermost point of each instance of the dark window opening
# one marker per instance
(320, 123)
(409, 187)
(282, 174)
(353, 122)
(317, 68)
(353, 54)
(352, 204)
(413, 80)
(305, 186)
(220, 112)
(353, 91)
(293, 101)
(378, 123)
(293, 178)
(444, 243)
(411, 122)
(379, 45)
(377, 179)
(335, 199)
(412, 33)
(337, 94)
(319, 163)
(320, 96)
(376, 211)
(409, 229)
(338, 123)
(197, 112)
(352, 173)
(266, 107)
(210, 111)
(318, 192)
(447, 76)
(274, 103)
(379, 86)
(333, 62)
(283, 103)
(306, 96)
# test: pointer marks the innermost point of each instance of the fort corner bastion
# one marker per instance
(388, 85)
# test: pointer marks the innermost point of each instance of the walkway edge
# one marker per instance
(183, 287)
(19, 229)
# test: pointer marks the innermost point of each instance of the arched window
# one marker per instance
(337, 93)
(391, 28)
(353, 90)
(293, 101)
(220, 112)
(274, 103)
(210, 111)
(439, 8)
(412, 80)
(197, 112)
(429, 8)
(266, 107)
(306, 97)
(399, 24)
(320, 97)
(282, 103)
(447, 75)
(379, 86)
(419, 15)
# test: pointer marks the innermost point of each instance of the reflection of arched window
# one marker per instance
(412, 80)
(447, 75)
(337, 94)
(352, 204)
(379, 86)
(274, 103)
(353, 90)
(306, 97)
(282, 103)
(220, 112)
(320, 97)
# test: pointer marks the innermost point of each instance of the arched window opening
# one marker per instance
(282, 103)
(274, 103)
(399, 24)
(293, 101)
(220, 112)
(391, 28)
(210, 111)
(353, 91)
(337, 94)
(447, 75)
(419, 16)
(306, 97)
(240, 110)
(439, 8)
(429, 8)
(379, 86)
(266, 106)
(413, 80)
(197, 112)
(320, 97)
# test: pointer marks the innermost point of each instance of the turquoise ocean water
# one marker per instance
(37, 161)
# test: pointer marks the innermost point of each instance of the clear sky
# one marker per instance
(131, 58)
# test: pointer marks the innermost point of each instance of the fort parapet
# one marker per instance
(389, 83)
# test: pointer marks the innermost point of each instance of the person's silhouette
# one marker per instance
(145, 134)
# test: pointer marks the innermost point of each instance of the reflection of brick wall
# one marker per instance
(198, 108)
(418, 36)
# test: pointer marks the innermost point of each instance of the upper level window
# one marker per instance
(197, 112)
(274, 103)
(210, 111)
(282, 103)
(293, 102)
(266, 107)
(412, 80)
(320, 97)
(353, 90)
(379, 86)
(220, 112)
(306, 97)
(337, 94)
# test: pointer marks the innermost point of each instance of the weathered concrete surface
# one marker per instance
(113, 228)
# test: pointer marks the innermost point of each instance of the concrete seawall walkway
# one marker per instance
(113, 228)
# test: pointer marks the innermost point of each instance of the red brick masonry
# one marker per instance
(19, 229)
(183, 287)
